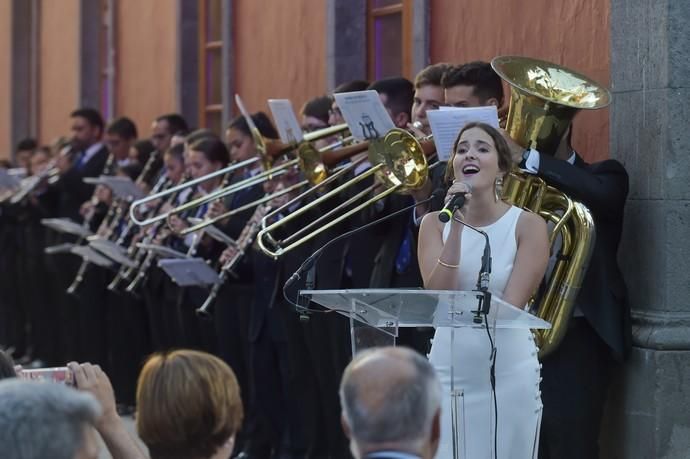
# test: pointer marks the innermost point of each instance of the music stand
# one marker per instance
(112, 250)
(67, 226)
(161, 250)
(92, 256)
(189, 272)
(122, 187)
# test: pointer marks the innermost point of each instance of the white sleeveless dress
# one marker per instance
(517, 367)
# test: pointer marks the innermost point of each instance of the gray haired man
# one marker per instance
(391, 405)
(46, 420)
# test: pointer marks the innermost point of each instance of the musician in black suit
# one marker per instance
(232, 305)
(576, 375)
(278, 365)
(87, 159)
(391, 399)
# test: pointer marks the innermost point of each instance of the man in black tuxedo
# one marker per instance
(87, 159)
(391, 399)
(577, 374)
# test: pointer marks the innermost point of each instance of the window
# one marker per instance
(389, 24)
(210, 64)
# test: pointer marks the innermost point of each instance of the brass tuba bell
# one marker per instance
(544, 99)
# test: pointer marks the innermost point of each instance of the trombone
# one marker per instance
(313, 163)
(267, 150)
(399, 161)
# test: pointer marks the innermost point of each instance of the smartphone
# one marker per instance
(61, 375)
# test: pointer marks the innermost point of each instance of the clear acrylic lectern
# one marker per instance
(377, 314)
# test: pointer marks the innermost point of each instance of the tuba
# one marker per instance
(544, 99)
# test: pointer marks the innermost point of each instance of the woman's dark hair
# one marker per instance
(176, 123)
(6, 365)
(144, 149)
(199, 134)
(504, 156)
(213, 149)
(351, 86)
(318, 108)
(176, 151)
(262, 122)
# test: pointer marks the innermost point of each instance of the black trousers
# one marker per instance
(327, 338)
(128, 343)
(575, 380)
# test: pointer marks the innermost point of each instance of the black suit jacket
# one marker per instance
(73, 191)
(270, 308)
(603, 188)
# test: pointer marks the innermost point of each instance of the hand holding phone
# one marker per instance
(62, 375)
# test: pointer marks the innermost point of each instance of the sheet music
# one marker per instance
(8, 180)
(447, 122)
(365, 114)
(285, 120)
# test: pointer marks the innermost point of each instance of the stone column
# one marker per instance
(649, 408)
(91, 25)
(346, 45)
(187, 62)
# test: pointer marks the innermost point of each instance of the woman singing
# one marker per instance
(449, 259)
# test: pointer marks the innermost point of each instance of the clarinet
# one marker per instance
(108, 169)
(245, 239)
(125, 272)
(115, 217)
(145, 259)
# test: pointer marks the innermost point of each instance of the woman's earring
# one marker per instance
(498, 189)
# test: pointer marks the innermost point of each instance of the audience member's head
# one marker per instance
(23, 152)
(428, 93)
(87, 127)
(391, 401)
(6, 365)
(397, 95)
(188, 405)
(41, 420)
(120, 135)
(163, 129)
(474, 84)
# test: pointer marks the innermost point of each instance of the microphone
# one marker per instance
(484, 295)
(455, 203)
(309, 265)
